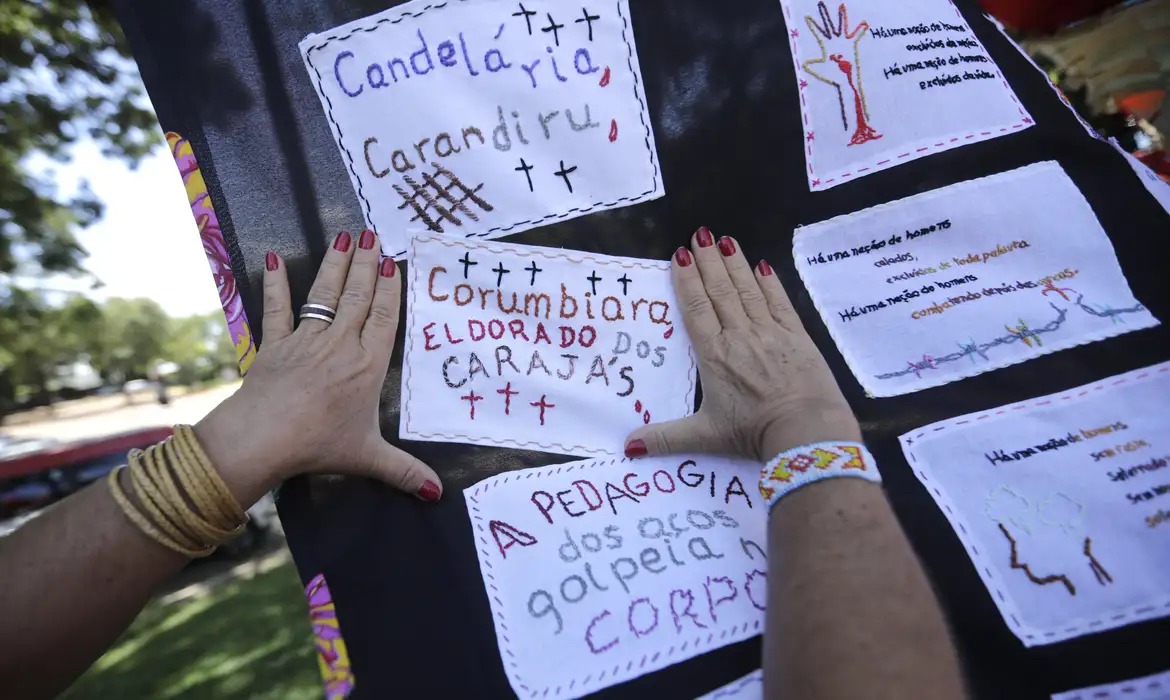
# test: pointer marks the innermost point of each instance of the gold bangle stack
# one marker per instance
(188, 508)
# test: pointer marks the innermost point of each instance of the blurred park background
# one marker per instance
(111, 328)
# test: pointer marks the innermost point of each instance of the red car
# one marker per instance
(32, 481)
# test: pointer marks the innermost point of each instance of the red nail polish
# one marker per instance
(727, 247)
(271, 261)
(388, 268)
(342, 242)
(636, 448)
(764, 268)
(682, 256)
(703, 235)
(366, 240)
(429, 491)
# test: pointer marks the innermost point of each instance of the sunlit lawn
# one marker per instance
(248, 639)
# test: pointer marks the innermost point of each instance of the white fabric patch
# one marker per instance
(602, 571)
(966, 279)
(1062, 502)
(540, 348)
(471, 118)
(1155, 687)
(1153, 184)
(1059, 93)
(750, 687)
(892, 82)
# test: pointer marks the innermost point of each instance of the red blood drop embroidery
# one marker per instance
(605, 77)
(613, 130)
(669, 332)
(646, 417)
(637, 407)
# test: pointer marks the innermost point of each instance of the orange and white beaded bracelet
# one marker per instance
(803, 465)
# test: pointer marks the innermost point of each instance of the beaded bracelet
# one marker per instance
(799, 466)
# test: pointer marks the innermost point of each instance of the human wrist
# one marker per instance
(798, 467)
(230, 444)
(812, 426)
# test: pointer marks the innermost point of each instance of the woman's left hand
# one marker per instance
(310, 400)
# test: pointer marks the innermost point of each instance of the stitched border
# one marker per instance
(499, 230)
(524, 252)
(916, 151)
(701, 643)
(736, 687)
(1028, 635)
(867, 382)
(1154, 682)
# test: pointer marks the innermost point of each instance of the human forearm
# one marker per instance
(850, 612)
(76, 577)
(73, 580)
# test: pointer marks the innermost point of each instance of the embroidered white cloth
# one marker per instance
(481, 118)
(966, 279)
(750, 687)
(1155, 185)
(1062, 502)
(602, 571)
(540, 348)
(884, 83)
(1153, 687)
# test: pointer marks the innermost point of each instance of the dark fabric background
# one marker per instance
(719, 80)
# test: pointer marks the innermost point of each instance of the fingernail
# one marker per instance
(366, 241)
(636, 448)
(271, 261)
(727, 247)
(706, 240)
(388, 268)
(682, 256)
(764, 268)
(429, 491)
(341, 243)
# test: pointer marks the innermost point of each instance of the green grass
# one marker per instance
(247, 639)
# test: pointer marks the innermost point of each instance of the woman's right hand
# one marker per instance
(766, 387)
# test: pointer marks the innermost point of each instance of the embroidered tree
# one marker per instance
(1052, 530)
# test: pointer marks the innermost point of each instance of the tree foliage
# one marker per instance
(122, 339)
(131, 340)
(64, 75)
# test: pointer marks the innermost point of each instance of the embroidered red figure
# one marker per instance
(826, 29)
(1051, 288)
(864, 132)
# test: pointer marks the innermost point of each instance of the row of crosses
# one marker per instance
(507, 392)
(552, 25)
(563, 173)
(532, 270)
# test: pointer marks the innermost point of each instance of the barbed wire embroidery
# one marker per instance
(431, 195)
(1022, 332)
(826, 29)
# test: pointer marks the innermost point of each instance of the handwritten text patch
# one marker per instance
(884, 83)
(540, 348)
(603, 571)
(966, 279)
(481, 118)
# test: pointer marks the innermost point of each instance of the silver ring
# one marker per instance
(319, 317)
(319, 312)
